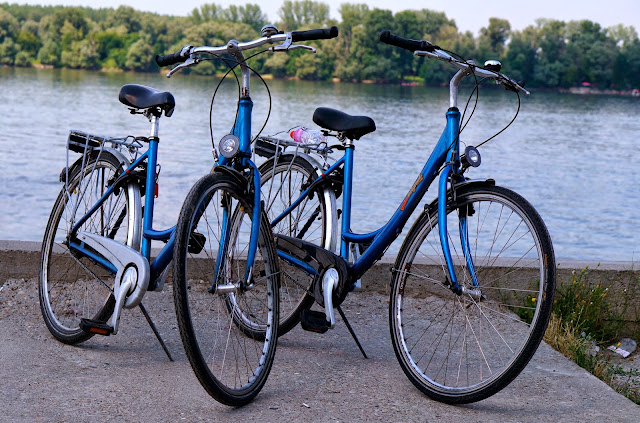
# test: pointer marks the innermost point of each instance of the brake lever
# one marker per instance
(288, 45)
(192, 60)
(511, 85)
(296, 46)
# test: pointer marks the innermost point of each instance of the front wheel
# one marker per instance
(228, 326)
(463, 348)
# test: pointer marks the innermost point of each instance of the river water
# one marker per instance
(573, 157)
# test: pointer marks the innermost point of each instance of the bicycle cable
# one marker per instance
(508, 125)
(476, 89)
(232, 69)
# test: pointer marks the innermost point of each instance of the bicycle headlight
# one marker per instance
(471, 156)
(229, 145)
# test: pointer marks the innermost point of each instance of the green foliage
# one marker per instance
(81, 54)
(49, 54)
(8, 51)
(140, 57)
(249, 14)
(298, 13)
(585, 306)
(549, 53)
(8, 25)
(23, 59)
(28, 41)
(581, 316)
(494, 37)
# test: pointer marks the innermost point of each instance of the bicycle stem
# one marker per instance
(233, 50)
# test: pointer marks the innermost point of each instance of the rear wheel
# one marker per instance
(282, 184)
(464, 348)
(228, 326)
(72, 286)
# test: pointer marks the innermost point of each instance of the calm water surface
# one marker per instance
(574, 158)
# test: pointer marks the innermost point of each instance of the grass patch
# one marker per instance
(583, 322)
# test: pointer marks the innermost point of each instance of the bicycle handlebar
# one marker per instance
(315, 34)
(172, 59)
(185, 53)
(406, 43)
(425, 48)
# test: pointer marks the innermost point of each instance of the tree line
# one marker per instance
(548, 53)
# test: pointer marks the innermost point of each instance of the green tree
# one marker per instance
(8, 51)
(276, 64)
(520, 59)
(592, 55)
(23, 59)
(298, 13)
(8, 25)
(71, 17)
(206, 12)
(551, 55)
(49, 54)
(126, 17)
(28, 41)
(622, 35)
(82, 54)
(140, 56)
(493, 38)
(632, 68)
(252, 15)
(376, 59)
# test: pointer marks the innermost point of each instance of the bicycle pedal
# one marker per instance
(314, 321)
(196, 242)
(93, 326)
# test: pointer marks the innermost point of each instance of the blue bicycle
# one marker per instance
(96, 253)
(473, 282)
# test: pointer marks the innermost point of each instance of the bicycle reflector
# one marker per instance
(229, 145)
(471, 157)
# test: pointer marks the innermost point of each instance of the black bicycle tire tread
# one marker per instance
(200, 369)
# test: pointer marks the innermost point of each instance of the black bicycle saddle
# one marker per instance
(142, 97)
(353, 127)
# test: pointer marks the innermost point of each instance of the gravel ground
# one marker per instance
(316, 378)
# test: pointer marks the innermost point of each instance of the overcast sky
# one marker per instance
(469, 15)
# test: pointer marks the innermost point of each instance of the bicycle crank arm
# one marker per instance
(131, 280)
(330, 281)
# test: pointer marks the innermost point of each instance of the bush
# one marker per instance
(584, 306)
(23, 59)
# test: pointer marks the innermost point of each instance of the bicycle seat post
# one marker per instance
(154, 118)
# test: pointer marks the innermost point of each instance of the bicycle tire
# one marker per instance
(456, 348)
(238, 327)
(71, 286)
(282, 182)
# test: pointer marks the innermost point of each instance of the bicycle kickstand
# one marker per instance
(155, 331)
(353, 334)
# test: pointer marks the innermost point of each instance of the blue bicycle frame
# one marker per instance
(445, 156)
(163, 259)
(242, 129)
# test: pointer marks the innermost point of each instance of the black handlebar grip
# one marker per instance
(170, 59)
(315, 34)
(405, 43)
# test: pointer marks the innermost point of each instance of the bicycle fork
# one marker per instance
(464, 240)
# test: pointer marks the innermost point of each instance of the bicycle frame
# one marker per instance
(160, 263)
(445, 156)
